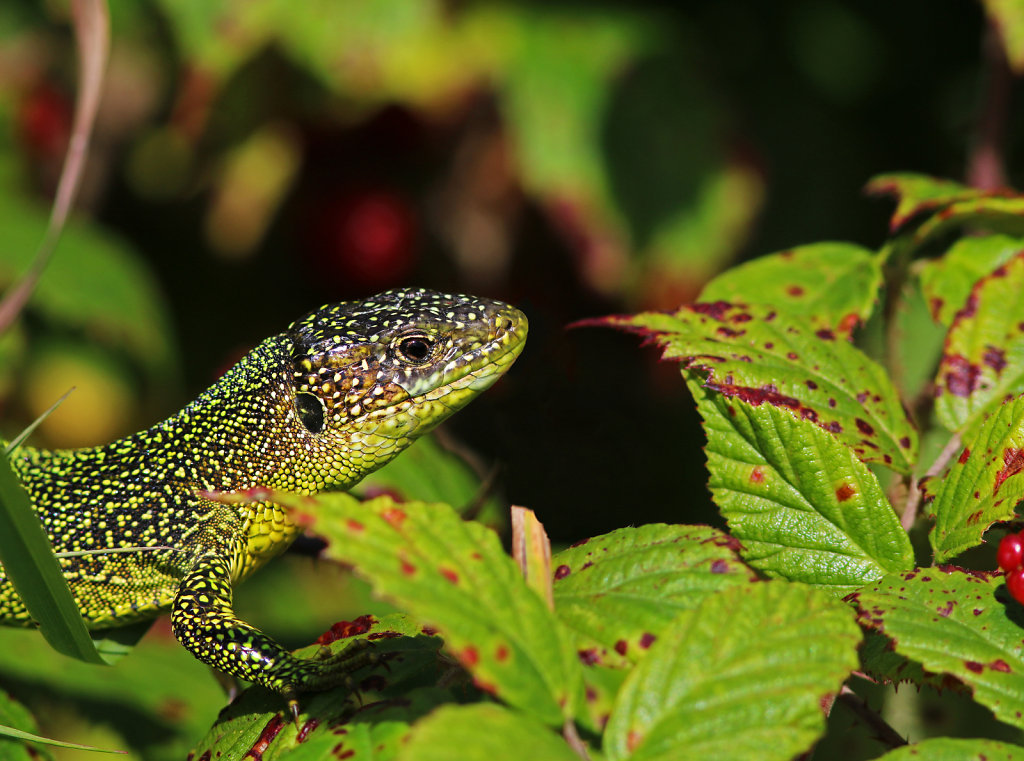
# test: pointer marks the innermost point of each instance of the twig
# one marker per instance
(92, 31)
(914, 498)
(985, 165)
(886, 734)
(572, 737)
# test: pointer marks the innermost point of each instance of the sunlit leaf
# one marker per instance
(367, 719)
(619, 590)
(952, 622)
(704, 691)
(918, 194)
(801, 503)
(762, 355)
(833, 285)
(983, 359)
(453, 575)
(982, 486)
(948, 280)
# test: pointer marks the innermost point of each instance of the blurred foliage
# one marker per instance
(254, 158)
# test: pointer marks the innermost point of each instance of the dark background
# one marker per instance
(810, 99)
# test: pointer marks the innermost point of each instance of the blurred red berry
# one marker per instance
(1010, 554)
(44, 122)
(1015, 583)
(366, 239)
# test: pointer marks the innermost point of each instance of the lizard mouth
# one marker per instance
(436, 395)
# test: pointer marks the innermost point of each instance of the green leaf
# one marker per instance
(982, 486)
(555, 86)
(428, 472)
(29, 563)
(919, 343)
(832, 285)
(983, 359)
(618, 591)
(453, 574)
(601, 685)
(947, 281)
(157, 702)
(13, 713)
(955, 749)
(483, 733)
(998, 211)
(89, 262)
(803, 505)
(950, 621)
(762, 355)
(115, 644)
(368, 719)
(883, 664)
(917, 194)
(706, 690)
(1007, 16)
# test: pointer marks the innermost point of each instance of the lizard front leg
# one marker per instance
(204, 622)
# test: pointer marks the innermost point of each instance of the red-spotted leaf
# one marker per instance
(832, 285)
(983, 358)
(951, 621)
(983, 485)
(956, 749)
(999, 211)
(883, 664)
(453, 575)
(947, 281)
(917, 194)
(368, 723)
(803, 505)
(619, 590)
(943, 204)
(765, 356)
(741, 676)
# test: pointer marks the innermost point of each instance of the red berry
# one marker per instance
(1011, 552)
(44, 122)
(1015, 583)
(364, 238)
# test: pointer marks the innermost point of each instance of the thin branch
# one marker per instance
(572, 737)
(914, 498)
(92, 32)
(883, 730)
(985, 163)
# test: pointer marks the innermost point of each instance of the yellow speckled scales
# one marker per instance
(333, 398)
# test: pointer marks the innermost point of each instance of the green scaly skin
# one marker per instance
(315, 408)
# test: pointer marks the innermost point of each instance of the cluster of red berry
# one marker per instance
(1010, 557)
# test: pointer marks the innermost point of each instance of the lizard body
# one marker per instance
(315, 408)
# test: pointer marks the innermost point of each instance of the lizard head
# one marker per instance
(367, 377)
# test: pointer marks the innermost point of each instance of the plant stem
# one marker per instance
(914, 498)
(572, 737)
(886, 734)
(985, 165)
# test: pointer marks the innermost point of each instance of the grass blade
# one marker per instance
(29, 562)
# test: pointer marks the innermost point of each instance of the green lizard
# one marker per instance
(317, 407)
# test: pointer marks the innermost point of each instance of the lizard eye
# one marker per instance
(415, 349)
(310, 411)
